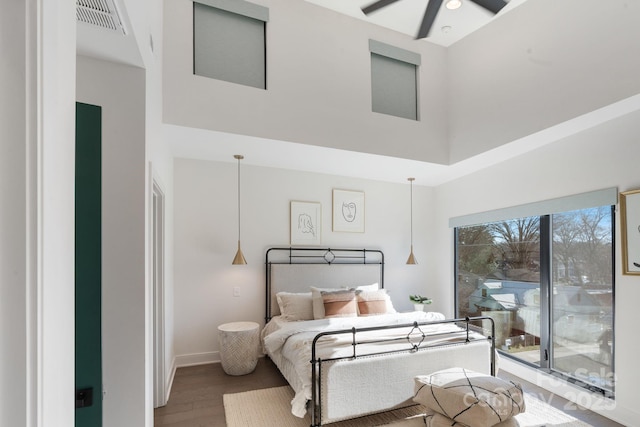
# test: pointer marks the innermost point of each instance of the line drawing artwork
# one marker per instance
(349, 210)
(305, 224)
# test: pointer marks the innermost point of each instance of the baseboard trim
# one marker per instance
(194, 359)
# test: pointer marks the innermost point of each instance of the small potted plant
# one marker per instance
(419, 302)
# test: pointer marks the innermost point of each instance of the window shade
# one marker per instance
(229, 41)
(393, 80)
(608, 196)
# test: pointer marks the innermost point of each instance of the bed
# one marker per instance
(343, 365)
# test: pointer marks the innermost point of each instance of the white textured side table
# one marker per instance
(239, 343)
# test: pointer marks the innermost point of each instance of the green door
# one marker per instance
(88, 263)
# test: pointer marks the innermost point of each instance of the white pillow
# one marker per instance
(318, 303)
(368, 288)
(295, 306)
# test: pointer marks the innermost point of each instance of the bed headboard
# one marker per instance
(296, 269)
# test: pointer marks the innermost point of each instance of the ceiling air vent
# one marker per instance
(99, 13)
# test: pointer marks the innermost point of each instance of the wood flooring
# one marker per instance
(196, 395)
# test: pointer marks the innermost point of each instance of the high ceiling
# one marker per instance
(405, 17)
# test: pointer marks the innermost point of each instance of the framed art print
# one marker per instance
(348, 211)
(630, 219)
(306, 223)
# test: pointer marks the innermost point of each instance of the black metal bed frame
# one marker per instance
(414, 334)
(415, 338)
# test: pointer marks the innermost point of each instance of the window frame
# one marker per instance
(557, 206)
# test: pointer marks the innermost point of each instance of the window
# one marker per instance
(229, 41)
(548, 283)
(394, 80)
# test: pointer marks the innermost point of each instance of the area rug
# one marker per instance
(271, 407)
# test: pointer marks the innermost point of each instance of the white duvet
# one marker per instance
(292, 341)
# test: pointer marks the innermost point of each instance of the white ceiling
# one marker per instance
(405, 17)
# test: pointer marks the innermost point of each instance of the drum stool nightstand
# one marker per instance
(239, 343)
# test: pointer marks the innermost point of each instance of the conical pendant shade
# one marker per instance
(412, 259)
(239, 258)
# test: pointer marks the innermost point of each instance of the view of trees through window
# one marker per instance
(548, 284)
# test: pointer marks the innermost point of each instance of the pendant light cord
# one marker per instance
(411, 212)
(238, 198)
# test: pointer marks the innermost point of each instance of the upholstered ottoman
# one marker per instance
(239, 343)
(459, 395)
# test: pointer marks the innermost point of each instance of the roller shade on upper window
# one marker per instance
(592, 199)
(394, 80)
(229, 41)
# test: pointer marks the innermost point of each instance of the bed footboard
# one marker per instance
(367, 382)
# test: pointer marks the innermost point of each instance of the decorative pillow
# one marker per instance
(318, 304)
(434, 419)
(295, 306)
(468, 397)
(374, 303)
(368, 288)
(340, 303)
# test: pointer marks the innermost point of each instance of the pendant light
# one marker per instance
(412, 259)
(239, 258)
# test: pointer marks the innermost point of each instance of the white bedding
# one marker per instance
(289, 344)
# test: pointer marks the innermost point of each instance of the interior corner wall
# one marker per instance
(318, 85)
(14, 193)
(120, 91)
(37, 116)
(560, 60)
(206, 237)
(602, 157)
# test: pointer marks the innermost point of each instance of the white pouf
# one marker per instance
(239, 343)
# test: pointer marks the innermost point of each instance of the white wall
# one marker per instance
(606, 156)
(37, 116)
(206, 241)
(161, 170)
(318, 85)
(161, 161)
(560, 60)
(120, 91)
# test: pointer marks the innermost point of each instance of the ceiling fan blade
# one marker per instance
(494, 6)
(429, 16)
(377, 5)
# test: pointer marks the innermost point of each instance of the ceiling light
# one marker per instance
(453, 4)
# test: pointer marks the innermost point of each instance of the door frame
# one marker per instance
(157, 206)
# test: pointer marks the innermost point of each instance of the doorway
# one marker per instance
(88, 266)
